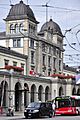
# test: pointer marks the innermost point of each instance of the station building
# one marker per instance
(31, 62)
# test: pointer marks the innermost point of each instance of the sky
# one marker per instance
(67, 19)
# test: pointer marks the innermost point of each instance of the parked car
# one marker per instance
(38, 109)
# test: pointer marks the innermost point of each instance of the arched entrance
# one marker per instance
(47, 93)
(33, 93)
(40, 93)
(26, 89)
(74, 91)
(18, 96)
(60, 91)
(4, 94)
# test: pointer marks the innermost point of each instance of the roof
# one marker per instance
(20, 11)
(68, 68)
(11, 52)
(2, 34)
(51, 26)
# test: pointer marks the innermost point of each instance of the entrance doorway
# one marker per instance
(18, 97)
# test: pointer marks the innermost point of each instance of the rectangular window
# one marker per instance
(14, 43)
(54, 51)
(60, 65)
(32, 43)
(49, 61)
(49, 49)
(6, 62)
(32, 57)
(54, 63)
(22, 65)
(14, 63)
(43, 60)
(32, 68)
(43, 47)
(17, 42)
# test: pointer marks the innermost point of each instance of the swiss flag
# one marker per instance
(32, 72)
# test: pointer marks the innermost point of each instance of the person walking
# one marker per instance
(53, 107)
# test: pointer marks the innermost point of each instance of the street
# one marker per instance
(46, 118)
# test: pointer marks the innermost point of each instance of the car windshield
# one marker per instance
(34, 105)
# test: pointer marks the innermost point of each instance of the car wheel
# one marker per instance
(50, 115)
(26, 117)
(39, 114)
(77, 112)
(53, 113)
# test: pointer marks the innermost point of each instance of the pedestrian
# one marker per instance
(53, 107)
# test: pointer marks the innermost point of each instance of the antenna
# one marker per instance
(27, 2)
(10, 2)
(46, 5)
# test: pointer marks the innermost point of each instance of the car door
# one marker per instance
(43, 109)
(47, 108)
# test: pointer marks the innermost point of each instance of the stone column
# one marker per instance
(22, 103)
(43, 97)
(68, 89)
(29, 97)
(36, 96)
(54, 88)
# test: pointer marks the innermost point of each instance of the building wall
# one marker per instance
(11, 59)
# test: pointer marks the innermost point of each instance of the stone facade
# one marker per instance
(40, 53)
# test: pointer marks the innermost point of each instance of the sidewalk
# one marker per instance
(16, 115)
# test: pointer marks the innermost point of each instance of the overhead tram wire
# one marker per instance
(69, 30)
(72, 57)
(71, 45)
(77, 36)
(46, 5)
(67, 9)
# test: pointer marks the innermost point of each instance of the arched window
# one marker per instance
(18, 96)
(33, 93)
(74, 91)
(60, 91)
(11, 28)
(16, 28)
(47, 94)
(40, 92)
(21, 27)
